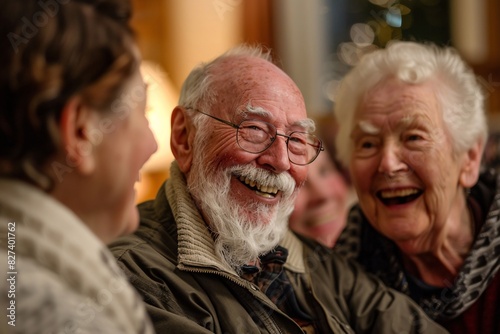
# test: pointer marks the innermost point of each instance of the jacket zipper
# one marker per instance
(239, 283)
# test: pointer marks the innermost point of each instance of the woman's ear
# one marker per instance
(471, 165)
(181, 139)
(75, 125)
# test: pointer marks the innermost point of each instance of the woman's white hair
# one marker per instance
(457, 90)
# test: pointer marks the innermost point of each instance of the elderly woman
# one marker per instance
(73, 138)
(412, 133)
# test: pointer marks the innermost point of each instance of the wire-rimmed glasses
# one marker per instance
(256, 136)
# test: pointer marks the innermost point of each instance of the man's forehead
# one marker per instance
(249, 111)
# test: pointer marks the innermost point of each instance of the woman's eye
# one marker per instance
(413, 137)
(367, 145)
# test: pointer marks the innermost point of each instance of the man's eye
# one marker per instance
(298, 140)
(253, 127)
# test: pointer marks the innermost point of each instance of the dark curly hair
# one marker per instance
(51, 51)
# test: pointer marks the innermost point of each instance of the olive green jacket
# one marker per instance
(188, 289)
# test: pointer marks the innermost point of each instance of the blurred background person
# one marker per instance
(427, 222)
(73, 138)
(491, 155)
(322, 204)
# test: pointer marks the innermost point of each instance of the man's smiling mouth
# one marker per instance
(261, 190)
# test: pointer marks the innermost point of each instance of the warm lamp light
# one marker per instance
(162, 99)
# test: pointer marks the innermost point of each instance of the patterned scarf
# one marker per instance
(380, 256)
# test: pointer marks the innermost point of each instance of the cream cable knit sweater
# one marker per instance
(66, 281)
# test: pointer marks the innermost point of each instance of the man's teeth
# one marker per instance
(398, 193)
(263, 189)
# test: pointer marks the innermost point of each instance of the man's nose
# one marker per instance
(276, 156)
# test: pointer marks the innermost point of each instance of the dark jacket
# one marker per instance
(188, 289)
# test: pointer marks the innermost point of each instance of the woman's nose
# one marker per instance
(391, 161)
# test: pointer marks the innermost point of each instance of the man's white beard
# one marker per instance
(241, 232)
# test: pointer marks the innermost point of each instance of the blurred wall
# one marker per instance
(175, 36)
(306, 37)
(181, 34)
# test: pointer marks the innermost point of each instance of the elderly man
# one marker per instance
(427, 222)
(213, 253)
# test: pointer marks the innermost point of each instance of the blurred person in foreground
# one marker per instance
(73, 138)
(412, 132)
(213, 253)
(321, 206)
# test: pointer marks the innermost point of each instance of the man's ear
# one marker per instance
(471, 165)
(75, 125)
(181, 139)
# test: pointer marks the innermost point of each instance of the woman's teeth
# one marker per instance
(398, 196)
(398, 193)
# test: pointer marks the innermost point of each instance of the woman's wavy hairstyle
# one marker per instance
(53, 50)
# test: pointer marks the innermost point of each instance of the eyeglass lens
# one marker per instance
(256, 136)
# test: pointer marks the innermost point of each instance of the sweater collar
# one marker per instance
(47, 215)
(196, 247)
(295, 248)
